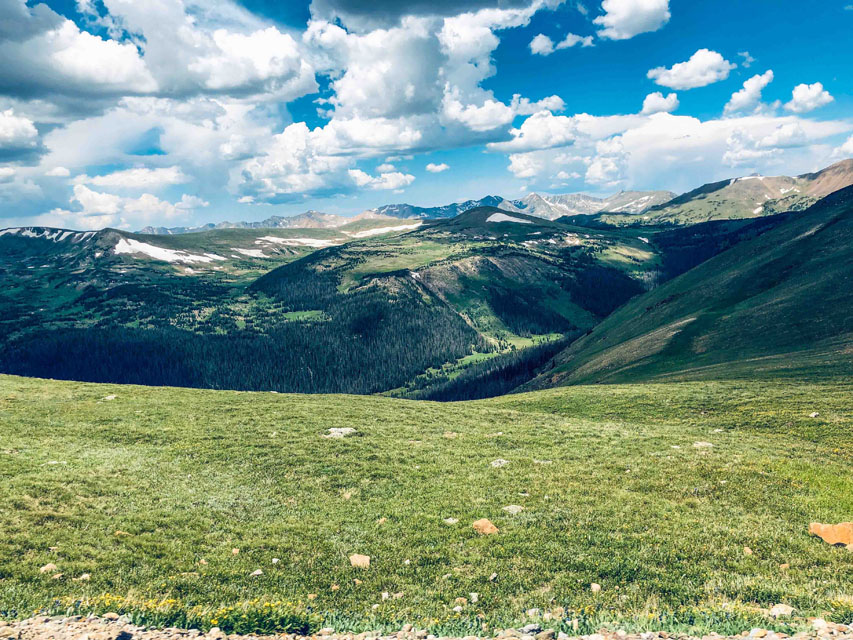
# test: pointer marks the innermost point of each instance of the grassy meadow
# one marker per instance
(150, 491)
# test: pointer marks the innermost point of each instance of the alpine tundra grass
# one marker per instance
(688, 503)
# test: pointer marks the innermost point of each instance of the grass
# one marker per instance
(187, 476)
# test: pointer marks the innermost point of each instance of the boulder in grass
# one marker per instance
(48, 568)
(484, 527)
(359, 561)
(339, 432)
(781, 610)
(833, 533)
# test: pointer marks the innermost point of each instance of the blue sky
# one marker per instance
(181, 112)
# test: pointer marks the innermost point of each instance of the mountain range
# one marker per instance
(736, 198)
(446, 306)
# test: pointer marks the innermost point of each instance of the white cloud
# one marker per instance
(625, 19)
(7, 174)
(808, 97)
(437, 168)
(98, 209)
(395, 180)
(657, 103)
(747, 59)
(789, 134)
(138, 178)
(544, 130)
(16, 132)
(386, 168)
(58, 172)
(845, 149)
(678, 152)
(703, 68)
(749, 96)
(543, 45)
(524, 107)
(485, 117)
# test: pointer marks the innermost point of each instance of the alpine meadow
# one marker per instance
(473, 320)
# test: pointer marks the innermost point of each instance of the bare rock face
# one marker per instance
(833, 533)
(484, 527)
(359, 561)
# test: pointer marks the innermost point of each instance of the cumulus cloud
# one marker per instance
(543, 45)
(96, 209)
(845, 149)
(58, 172)
(703, 68)
(808, 97)
(749, 96)
(137, 178)
(676, 152)
(394, 180)
(657, 103)
(437, 168)
(16, 132)
(625, 19)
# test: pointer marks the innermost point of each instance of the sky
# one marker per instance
(128, 113)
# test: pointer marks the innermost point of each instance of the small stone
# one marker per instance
(833, 533)
(493, 577)
(385, 595)
(84, 577)
(112, 615)
(450, 521)
(335, 587)
(110, 397)
(533, 613)
(702, 445)
(382, 521)
(407, 628)
(784, 566)
(547, 634)
(500, 462)
(257, 572)
(513, 509)
(484, 527)
(235, 551)
(531, 628)
(359, 561)
(312, 596)
(475, 597)
(747, 551)
(339, 432)
(357, 582)
(758, 633)
(326, 631)
(595, 587)
(48, 568)
(275, 560)
(56, 576)
(450, 434)
(814, 414)
(781, 610)
(818, 624)
(121, 534)
(457, 609)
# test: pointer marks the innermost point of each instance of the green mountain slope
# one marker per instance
(777, 304)
(385, 305)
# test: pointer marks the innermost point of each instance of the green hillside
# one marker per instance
(775, 305)
(456, 308)
(148, 491)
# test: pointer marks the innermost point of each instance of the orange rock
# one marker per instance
(484, 527)
(833, 533)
